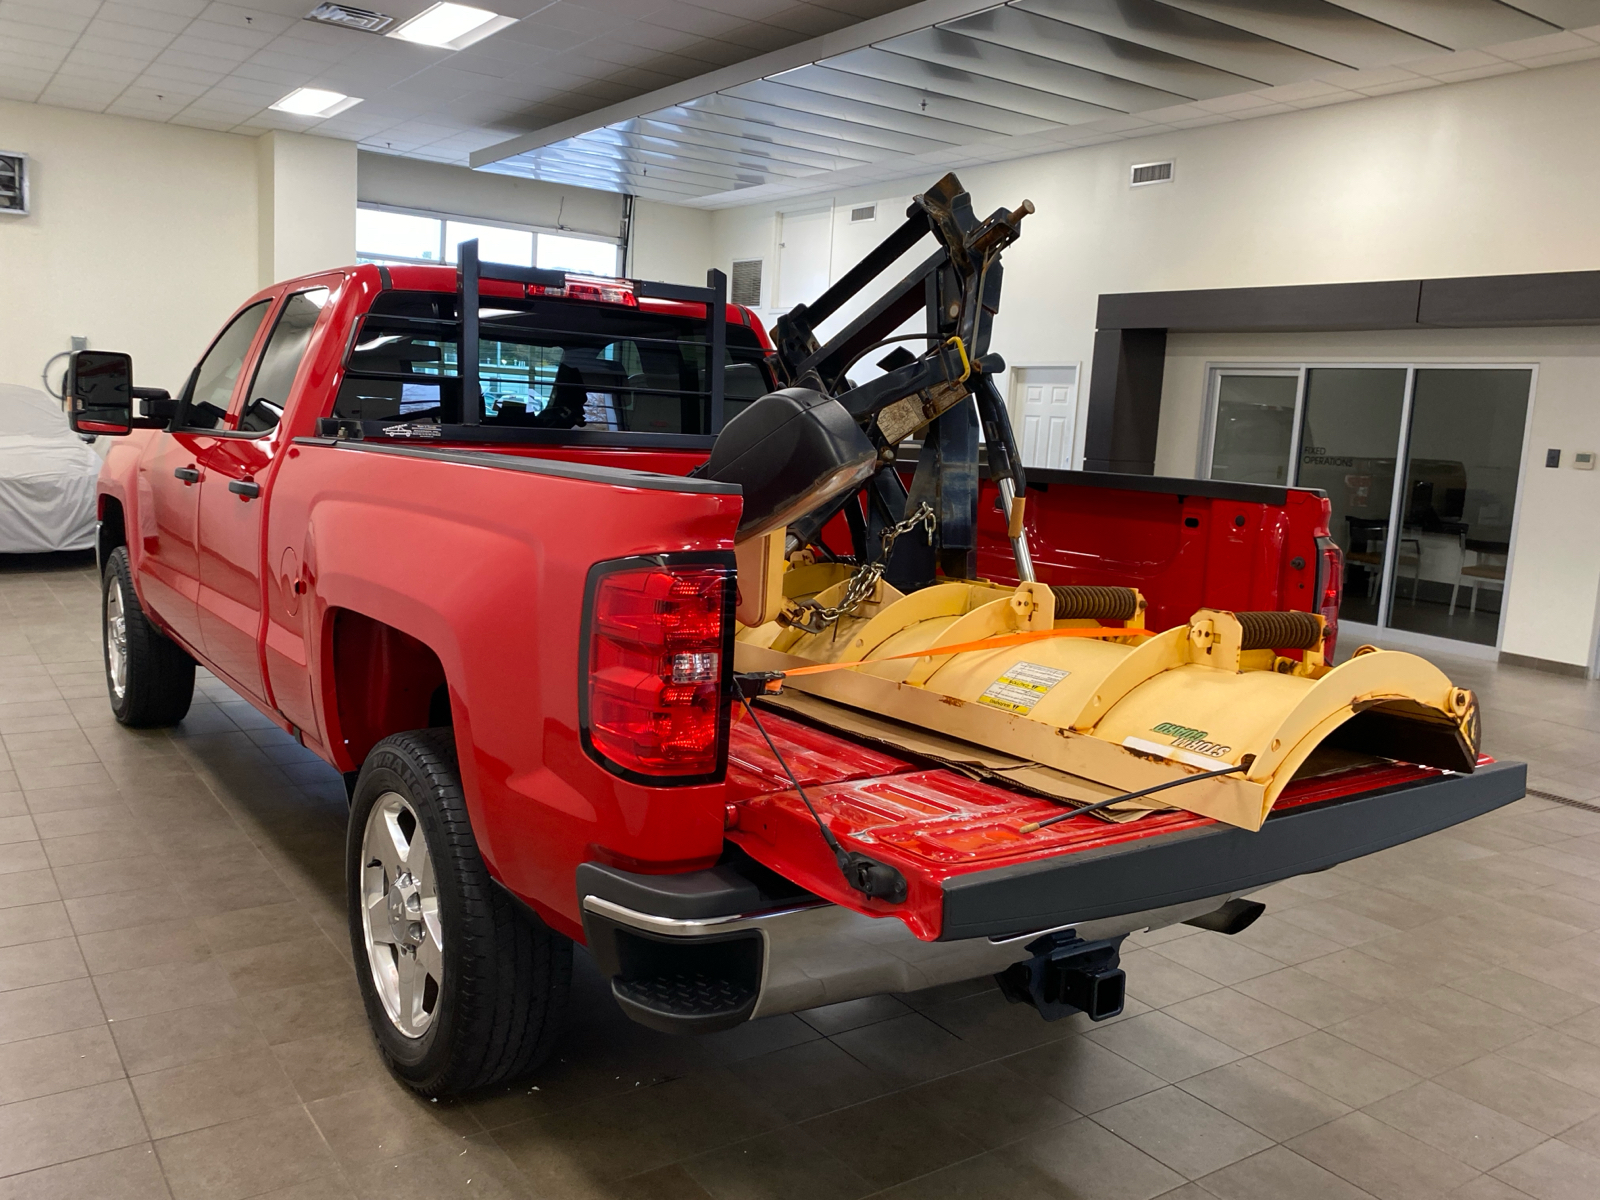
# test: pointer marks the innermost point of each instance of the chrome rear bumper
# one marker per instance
(821, 953)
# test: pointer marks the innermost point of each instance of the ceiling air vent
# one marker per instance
(1148, 173)
(867, 212)
(13, 183)
(745, 287)
(347, 17)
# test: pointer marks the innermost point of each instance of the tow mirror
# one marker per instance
(99, 392)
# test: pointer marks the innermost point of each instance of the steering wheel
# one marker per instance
(44, 376)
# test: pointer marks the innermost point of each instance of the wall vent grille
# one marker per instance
(1145, 174)
(866, 212)
(348, 17)
(745, 287)
(13, 183)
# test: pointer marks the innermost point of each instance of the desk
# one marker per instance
(1435, 552)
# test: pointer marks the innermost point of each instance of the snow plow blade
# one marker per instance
(1118, 707)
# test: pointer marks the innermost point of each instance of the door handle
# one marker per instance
(187, 474)
(248, 488)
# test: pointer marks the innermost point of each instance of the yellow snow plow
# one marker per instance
(1068, 678)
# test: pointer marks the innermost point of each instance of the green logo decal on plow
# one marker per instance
(1185, 738)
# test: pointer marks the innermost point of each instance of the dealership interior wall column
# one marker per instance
(306, 204)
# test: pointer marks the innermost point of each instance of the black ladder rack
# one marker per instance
(473, 271)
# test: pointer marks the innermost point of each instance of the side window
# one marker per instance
(209, 394)
(280, 361)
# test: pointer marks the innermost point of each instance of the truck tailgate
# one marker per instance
(972, 873)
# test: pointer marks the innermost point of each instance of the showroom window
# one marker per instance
(1421, 465)
(385, 235)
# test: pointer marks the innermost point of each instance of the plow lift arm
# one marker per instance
(957, 287)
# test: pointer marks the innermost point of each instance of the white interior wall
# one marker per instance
(670, 244)
(754, 232)
(142, 237)
(306, 189)
(1491, 176)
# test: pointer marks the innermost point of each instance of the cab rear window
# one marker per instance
(545, 364)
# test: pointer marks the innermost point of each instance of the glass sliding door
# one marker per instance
(1420, 465)
(1253, 431)
(1349, 445)
(1463, 460)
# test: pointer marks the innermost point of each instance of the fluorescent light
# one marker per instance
(451, 26)
(315, 102)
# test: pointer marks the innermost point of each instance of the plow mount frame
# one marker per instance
(958, 289)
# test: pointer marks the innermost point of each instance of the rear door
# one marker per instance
(232, 504)
(170, 472)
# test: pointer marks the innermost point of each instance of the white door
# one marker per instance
(1046, 399)
(804, 244)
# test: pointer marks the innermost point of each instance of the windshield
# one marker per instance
(546, 364)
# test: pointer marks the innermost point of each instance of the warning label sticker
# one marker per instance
(1021, 687)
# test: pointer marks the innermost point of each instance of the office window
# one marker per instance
(396, 237)
(495, 243)
(385, 236)
(562, 252)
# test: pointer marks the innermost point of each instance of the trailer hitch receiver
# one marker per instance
(1068, 975)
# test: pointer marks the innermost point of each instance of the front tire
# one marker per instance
(149, 677)
(462, 987)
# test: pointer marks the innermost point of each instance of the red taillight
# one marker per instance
(1330, 591)
(656, 669)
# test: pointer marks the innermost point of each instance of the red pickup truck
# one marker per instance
(443, 598)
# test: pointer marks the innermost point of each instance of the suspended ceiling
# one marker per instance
(947, 83)
(218, 65)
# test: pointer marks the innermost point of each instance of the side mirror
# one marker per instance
(99, 392)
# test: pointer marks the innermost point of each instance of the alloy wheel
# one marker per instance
(116, 639)
(400, 915)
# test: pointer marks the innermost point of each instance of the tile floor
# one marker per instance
(178, 1015)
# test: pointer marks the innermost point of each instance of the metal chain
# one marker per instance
(865, 581)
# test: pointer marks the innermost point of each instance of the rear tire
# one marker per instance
(473, 990)
(149, 677)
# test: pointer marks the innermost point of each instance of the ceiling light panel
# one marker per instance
(450, 26)
(315, 102)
